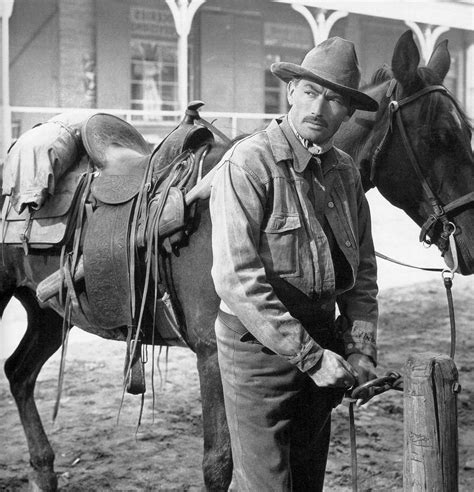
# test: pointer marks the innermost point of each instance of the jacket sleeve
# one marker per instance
(358, 305)
(237, 207)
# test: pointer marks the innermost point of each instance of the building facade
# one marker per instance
(144, 59)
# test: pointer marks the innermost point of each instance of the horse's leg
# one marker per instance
(217, 461)
(42, 338)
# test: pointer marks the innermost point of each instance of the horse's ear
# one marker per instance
(405, 60)
(440, 60)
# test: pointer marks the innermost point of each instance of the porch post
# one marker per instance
(320, 25)
(427, 37)
(469, 77)
(183, 13)
(6, 12)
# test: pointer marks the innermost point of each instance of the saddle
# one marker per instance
(136, 202)
(138, 196)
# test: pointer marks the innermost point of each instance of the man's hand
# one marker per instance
(365, 369)
(332, 371)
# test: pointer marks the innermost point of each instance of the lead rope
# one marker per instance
(448, 276)
(352, 432)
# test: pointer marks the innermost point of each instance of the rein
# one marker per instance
(393, 380)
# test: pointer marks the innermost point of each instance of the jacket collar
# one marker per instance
(286, 146)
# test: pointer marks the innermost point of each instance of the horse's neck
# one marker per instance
(359, 136)
(353, 137)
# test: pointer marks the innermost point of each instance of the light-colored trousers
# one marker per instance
(279, 420)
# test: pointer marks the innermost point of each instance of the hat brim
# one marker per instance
(287, 71)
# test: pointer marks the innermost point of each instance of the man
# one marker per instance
(291, 237)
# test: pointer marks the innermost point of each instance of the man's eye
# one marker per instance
(310, 93)
(336, 99)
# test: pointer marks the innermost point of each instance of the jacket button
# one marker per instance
(331, 204)
(348, 244)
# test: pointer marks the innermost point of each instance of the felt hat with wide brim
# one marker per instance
(332, 64)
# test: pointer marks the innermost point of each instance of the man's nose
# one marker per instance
(318, 105)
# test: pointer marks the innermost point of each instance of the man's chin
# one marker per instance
(316, 138)
(315, 133)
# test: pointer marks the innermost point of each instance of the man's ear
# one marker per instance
(290, 89)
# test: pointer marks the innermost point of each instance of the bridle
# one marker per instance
(440, 211)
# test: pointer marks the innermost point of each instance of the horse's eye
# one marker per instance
(441, 139)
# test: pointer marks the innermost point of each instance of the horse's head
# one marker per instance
(419, 151)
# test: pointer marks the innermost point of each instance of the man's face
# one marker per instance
(316, 112)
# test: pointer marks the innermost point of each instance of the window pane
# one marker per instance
(153, 76)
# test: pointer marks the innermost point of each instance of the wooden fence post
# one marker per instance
(430, 424)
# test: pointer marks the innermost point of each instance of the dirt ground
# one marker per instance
(95, 453)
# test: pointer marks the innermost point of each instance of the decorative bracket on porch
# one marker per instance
(322, 23)
(427, 37)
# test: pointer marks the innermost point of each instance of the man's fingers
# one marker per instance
(349, 374)
(335, 372)
(345, 378)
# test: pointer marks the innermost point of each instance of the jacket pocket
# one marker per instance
(279, 245)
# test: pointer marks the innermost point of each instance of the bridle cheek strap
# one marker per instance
(439, 210)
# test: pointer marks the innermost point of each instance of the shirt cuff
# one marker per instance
(361, 339)
(308, 357)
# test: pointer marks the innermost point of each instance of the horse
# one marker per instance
(436, 192)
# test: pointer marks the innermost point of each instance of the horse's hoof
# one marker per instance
(42, 482)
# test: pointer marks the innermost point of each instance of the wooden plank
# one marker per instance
(430, 424)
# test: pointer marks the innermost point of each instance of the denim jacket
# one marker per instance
(265, 227)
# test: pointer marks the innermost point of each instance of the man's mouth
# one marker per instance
(316, 122)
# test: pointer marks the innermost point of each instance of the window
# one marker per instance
(154, 60)
(154, 77)
(275, 89)
(283, 42)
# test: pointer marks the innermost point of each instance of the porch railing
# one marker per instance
(153, 125)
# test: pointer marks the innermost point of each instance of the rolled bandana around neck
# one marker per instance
(310, 146)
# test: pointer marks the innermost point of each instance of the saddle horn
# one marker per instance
(191, 114)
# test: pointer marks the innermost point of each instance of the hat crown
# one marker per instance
(332, 64)
(335, 60)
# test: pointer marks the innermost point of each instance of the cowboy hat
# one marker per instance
(332, 64)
